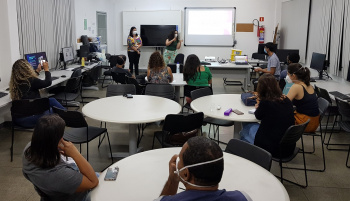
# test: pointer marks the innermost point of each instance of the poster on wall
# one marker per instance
(85, 24)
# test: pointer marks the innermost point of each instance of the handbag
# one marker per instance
(248, 99)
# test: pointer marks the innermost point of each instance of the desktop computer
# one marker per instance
(318, 63)
(35, 58)
(67, 55)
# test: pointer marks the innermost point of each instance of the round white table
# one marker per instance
(208, 105)
(143, 175)
(132, 111)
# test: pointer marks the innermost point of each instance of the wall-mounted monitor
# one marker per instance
(156, 35)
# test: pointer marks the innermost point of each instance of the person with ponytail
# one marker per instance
(303, 96)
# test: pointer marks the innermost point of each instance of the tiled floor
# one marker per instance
(333, 184)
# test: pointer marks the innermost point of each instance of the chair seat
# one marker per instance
(107, 73)
(218, 122)
(78, 135)
(67, 96)
(287, 159)
(345, 125)
(159, 136)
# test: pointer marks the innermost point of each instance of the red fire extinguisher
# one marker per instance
(261, 34)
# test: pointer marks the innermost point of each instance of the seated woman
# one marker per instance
(303, 96)
(157, 71)
(276, 114)
(195, 74)
(43, 165)
(25, 84)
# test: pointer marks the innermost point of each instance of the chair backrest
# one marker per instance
(108, 56)
(343, 107)
(176, 123)
(120, 90)
(206, 91)
(323, 105)
(73, 119)
(73, 85)
(139, 88)
(76, 73)
(173, 68)
(250, 152)
(119, 77)
(161, 90)
(179, 58)
(258, 56)
(188, 89)
(25, 108)
(293, 134)
(91, 76)
(323, 93)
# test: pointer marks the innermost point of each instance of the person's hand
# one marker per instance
(257, 69)
(46, 66)
(174, 39)
(39, 68)
(67, 148)
(172, 168)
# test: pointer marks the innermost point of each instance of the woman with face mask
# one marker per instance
(303, 96)
(172, 45)
(134, 44)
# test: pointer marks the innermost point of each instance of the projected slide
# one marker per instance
(210, 22)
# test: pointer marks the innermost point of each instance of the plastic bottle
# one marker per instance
(177, 67)
(82, 61)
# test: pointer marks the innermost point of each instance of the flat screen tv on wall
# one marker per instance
(155, 35)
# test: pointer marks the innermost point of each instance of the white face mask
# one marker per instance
(175, 35)
(193, 165)
(134, 32)
(288, 80)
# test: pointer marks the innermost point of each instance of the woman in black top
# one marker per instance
(276, 114)
(25, 84)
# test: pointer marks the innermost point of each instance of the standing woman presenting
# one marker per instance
(172, 45)
(134, 45)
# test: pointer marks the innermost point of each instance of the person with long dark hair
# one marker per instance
(303, 96)
(276, 114)
(157, 71)
(172, 45)
(43, 165)
(195, 74)
(134, 42)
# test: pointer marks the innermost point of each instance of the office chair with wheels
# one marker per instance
(290, 137)
(178, 128)
(250, 152)
(26, 108)
(89, 82)
(71, 91)
(80, 132)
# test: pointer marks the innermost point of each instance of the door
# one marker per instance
(102, 28)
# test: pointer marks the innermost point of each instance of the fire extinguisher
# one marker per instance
(261, 34)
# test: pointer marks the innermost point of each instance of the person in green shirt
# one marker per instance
(195, 74)
(172, 45)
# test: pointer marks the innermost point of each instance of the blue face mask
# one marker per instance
(265, 51)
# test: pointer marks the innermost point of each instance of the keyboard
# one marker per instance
(54, 78)
(340, 95)
(2, 94)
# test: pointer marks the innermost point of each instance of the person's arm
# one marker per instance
(170, 75)
(210, 76)
(260, 110)
(90, 179)
(131, 46)
(172, 184)
(294, 91)
(168, 42)
(38, 83)
(141, 44)
(271, 71)
(178, 44)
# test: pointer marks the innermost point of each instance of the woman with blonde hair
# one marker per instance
(25, 84)
(157, 71)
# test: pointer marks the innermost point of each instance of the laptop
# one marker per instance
(241, 60)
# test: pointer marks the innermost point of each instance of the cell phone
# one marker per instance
(112, 174)
(129, 96)
(237, 112)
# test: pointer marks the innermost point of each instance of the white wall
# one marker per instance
(86, 9)
(247, 10)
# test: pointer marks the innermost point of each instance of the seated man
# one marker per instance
(199, 166)
(119, 66)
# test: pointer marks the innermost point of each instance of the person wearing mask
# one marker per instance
(157, 71)
(195, 74)
(303, 96)
(199, 166)
(276, 114)
(44, 167)
(291, 58)
(172, 45)
(25, 84)
(134, 44)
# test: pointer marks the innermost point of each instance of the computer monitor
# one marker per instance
(67, 54)
(84, 51)
(35, 58)
(283, 53)
(318, 63)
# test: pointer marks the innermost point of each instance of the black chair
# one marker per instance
(173, 68)
(80, 132)
(76, 73)
(178, 124)
(187, 93)
(323, 105)
(89, 82)
(180, 58)
(107, 72)
(71, 91)
(343, 121)
(140, 89)
(26, 108)
(216, 123)
(120, 89)
(161, 90)
(119, 77)
(290, 137)
(250, 152)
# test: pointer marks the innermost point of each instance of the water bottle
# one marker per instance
(177, 67)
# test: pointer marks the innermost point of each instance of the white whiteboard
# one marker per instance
(160, 17)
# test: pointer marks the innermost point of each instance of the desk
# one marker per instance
(232, 70)
(257, 61)
(208, 104)
(143, 175)
(131, 111)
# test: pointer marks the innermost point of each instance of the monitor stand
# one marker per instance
(321, 75)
